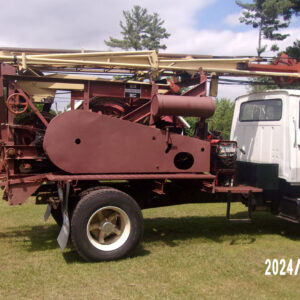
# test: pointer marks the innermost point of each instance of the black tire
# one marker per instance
(107, 224)
(57, 213)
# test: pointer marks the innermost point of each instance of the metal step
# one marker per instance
(287, 218)
(250, 207)
(289, 209)
(244, 221)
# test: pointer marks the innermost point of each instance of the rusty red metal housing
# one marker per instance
(132, 137)
(100, 144)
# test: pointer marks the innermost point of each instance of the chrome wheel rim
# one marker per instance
(108, 228)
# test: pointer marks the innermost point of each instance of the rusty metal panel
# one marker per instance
(18, 193)
(81, 142)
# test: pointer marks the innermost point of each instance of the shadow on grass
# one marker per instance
(217, 229)
(33, 238)
(42, 238)
(167, 231)
(72, 256)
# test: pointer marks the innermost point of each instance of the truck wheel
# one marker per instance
(106, 224)
(57, 213)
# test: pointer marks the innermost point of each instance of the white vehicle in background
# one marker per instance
(266, 126)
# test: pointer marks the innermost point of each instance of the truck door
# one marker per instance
(296, 140)
(259, 132)
(292, 146)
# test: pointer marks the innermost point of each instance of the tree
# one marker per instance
(192, 121)
(140, 31)
(294, 51)
(260, 84)
(293, 10)
(265, 15)
(221, 120)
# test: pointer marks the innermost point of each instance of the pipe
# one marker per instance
(171, 105)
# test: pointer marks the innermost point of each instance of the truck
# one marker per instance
(266, 127)
(121, 146)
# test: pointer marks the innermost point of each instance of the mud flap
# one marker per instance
(64, 233)
(47, 213)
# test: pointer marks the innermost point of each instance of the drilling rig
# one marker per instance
(121, 145)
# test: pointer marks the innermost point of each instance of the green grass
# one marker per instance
(188, 252)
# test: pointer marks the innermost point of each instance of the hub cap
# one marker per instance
(108, 228)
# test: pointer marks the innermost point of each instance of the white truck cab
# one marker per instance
(266, 126)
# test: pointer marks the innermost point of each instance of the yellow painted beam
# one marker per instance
(147, 61)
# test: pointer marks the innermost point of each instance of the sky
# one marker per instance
(196, 27)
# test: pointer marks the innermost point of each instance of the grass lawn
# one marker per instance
(189, 252)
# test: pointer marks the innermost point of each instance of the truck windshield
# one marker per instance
(261, 110)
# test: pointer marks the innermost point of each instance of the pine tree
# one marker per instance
(140, 31)
(293, 10)
(265, 15)
(294, 51)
